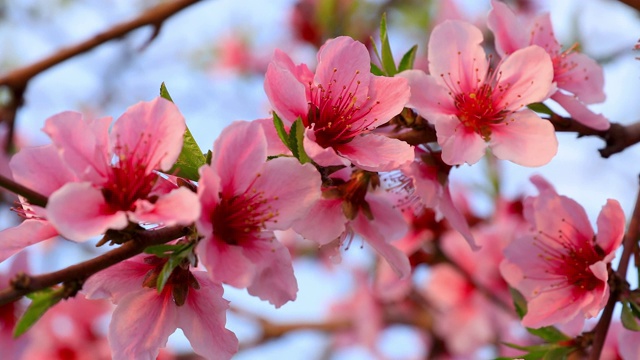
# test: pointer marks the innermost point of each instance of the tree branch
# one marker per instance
(629, 244)
(24, 284)
(18, 79)
(33, 197)
(632, 3)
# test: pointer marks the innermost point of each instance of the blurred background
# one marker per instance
(212, 57)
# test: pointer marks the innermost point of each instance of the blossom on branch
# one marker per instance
(244, 199)
(340, 105)
(472, 106)
(580, 80)
(144, 318)
(560, 266)
(118, 171)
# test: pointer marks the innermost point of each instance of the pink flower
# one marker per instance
(340, 105)
(144, 318)
(111, 193)
(355, 204)
(472, 107)
(560, 266)
(29, 166)
(580, 79)
(244, 199)
(12, 348)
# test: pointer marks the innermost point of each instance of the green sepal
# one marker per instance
(191, 157)
(41, 301)
(408, 59)
(296, 138)
(182, 252)
(163, 250)
(282, 132)
(375, 70)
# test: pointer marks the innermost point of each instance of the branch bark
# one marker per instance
(24, 284)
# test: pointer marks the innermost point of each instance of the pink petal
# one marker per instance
(343, 62)
(525, 139)
(238, 154)
(274, 280)
(611, 225)
(387, 97)
(226, 263)
(323, 157)
(527, 77)
(141, 325)
(428, 96)
(455, 218)
(202, 319)
(79, 212)
(209, 195)
(585, 78)
(275, 146)
(179, 207)
(456, 55)
(29, 232)
(285, 91)
(117, 281)
(447, 287)
(551, 307)
(398, 260)
(387, 218)
(509, 33)
(580, 112)
(324, 223)
(151, 131)
(83, 144)
(542, 34)
(375, 152)
(459, 145)
(32, 164)
(427, 187)
(291, 196)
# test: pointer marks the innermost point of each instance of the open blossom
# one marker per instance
(340, 105)
(144, 319)
(473, 107)
(244, 199)
(117, 171)
(12, 348)
(560, 266)
(580, 80)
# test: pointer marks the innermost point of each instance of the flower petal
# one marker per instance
(226, 263)
(284, 89)
(29, 232)
(375, 152)
(611, 224)
(152, 132)
(179, 207)
(322, 156)
(117, 281)
(387, 97)
(525, 139)
(459, 145)
(507, 29)
(32, 164)
(274, 280)
(79, 211)
(580, 112)
(456, 55)
(239, 153)
(325, 222)
(202, 319)
(428, 96)
(585, 78)
(141, 325)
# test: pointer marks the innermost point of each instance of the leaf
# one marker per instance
(282, 133)
(162, 250)
(408, 59)
(166, 271)
(541, 108)
(41, 302)
(164, 93)
(388, 64)
(519, 302)
(627, 318)
(375, 70)
(549, 334)
(296, 138)
(557, 353)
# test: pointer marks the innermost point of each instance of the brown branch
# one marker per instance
(24, 284)
(632, 3)
(33, 197)
(18, 79)
(601, 329)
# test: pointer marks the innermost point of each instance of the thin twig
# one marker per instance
(601, 329)
(632, 3)
(33, 197)
(24, 284)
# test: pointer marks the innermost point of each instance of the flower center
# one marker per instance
(240, 219)
(477, 110)
(336, 114)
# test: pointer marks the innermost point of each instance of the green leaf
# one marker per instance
(166, 271)
(375, 70)
(408, 59)
(549, 334)
(627, 318)
(296, 138)
(519, 302)
(559, 353)
(541, 108)
(163, 250)
(282, 133)
(41, 302)
(191, 157)
(388, 64)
